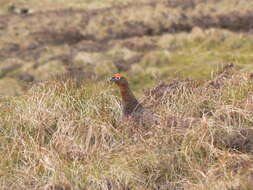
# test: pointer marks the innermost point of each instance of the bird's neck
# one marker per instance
(126, 94)
(128, 99)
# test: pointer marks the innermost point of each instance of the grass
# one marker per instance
(64, 131)
(59, 135)
(185, 55)
(46, 5)
(131, 41)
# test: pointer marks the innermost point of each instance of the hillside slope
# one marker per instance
(168, 38)
(63, 136)
(190, 62)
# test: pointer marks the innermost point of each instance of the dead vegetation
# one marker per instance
(66, 136)
(116, 22)
(121, 38)
(223, 76)
(63, 130)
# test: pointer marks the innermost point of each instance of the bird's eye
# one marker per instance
(117, 78)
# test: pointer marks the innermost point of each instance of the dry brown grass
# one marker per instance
(169, 39)
(65, 131)
(63, 136)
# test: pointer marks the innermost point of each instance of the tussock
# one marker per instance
(223, 76)
(62, 136)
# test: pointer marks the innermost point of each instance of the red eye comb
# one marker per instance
(117, 76)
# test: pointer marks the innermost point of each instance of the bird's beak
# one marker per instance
(112, 79)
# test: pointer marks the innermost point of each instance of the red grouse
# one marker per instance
(132, 109)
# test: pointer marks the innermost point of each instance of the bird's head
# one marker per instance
(119, 80)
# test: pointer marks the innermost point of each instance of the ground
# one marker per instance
(60, 117)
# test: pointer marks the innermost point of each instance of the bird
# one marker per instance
(133, 110)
